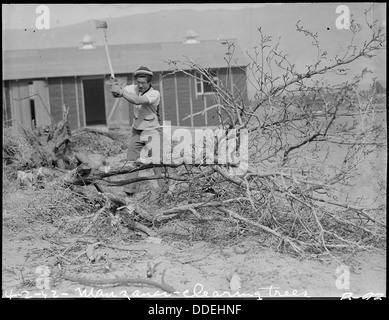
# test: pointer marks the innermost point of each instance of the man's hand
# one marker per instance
(116, 90)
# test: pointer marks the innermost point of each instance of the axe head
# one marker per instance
(101, 24)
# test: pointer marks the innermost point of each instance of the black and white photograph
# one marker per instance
(194, 151)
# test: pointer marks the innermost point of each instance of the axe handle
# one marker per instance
(106, 50)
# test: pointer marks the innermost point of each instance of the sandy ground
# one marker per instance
(31, 252)
(193, 269)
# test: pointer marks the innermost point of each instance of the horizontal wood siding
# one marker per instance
(55, 98)
(70, 100)
(169, 97)
(183, 98)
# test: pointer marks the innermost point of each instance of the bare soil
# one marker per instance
(193, 268)
(35, 244)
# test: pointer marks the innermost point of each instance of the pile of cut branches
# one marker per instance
(305, 144)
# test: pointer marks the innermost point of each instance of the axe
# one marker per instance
(103, 25)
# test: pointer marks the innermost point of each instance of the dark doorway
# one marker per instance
(31, 94)
(94, 102)
(32, 110)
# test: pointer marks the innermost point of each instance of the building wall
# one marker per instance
(20, 103)
(17, 99)
(157, 84)
(198, 105)
(225, 77)
(7, 113)
(169, 99)
(64, 92)
(117, 110)
(69, 99)
(55, 98)
(69, 91)
(41, 101)
(212, 114)
(80, 101)
(234, 81)
(183, 98)
(239, 79)
(178, 99)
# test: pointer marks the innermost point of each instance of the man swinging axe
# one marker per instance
(147, 122)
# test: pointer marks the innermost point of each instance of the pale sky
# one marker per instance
(23, 16)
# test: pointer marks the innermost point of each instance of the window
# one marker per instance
(203, 85)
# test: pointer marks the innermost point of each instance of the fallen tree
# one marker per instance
(298, 130)
(290, 189)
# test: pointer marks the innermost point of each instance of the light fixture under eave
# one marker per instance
(87, 43)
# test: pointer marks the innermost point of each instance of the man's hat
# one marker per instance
(143, 71)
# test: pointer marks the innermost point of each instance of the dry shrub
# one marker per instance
(63, 208)
(101, 144)
(308, 144)
(18, 154)
(17, 150)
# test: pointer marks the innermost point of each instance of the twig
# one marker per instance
(96, 131)
(360, 210)
(98, 213)
(121, 281)
(264, 228)
(118, 247)
(83, 179)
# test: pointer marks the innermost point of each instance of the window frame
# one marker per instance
(200, 82)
